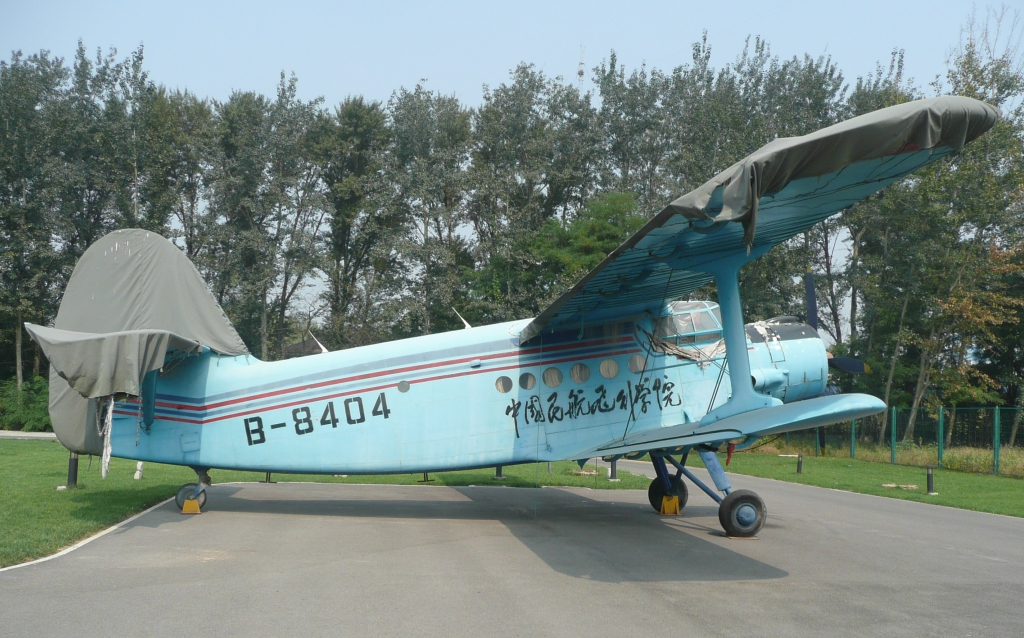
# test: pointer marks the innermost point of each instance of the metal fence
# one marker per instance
(987, 440)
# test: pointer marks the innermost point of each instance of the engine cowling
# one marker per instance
(788, 359)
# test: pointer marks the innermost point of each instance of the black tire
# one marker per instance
(185, 491)
(656, 491)
(742, 514)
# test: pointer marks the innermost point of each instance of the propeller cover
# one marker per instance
(849, 364)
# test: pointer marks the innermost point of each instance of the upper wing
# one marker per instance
(780, 190)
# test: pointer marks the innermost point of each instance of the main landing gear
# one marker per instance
(191, 497)
(742, 513)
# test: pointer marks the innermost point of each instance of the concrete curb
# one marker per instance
(26, 436)
(68, 550)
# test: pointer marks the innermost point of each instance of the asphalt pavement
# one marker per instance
(379, 560)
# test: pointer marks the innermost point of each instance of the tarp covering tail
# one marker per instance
(99, 365)
(132, 297)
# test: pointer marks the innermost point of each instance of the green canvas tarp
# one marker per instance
(132, 297)
(951, 121)
(99, 365)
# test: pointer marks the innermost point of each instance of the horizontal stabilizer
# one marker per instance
(799, 415)
(97, 365)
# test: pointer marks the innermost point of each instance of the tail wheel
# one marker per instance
(656, 491)
(185, 492)
(742, 514)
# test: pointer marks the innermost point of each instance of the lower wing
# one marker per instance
(800, 415)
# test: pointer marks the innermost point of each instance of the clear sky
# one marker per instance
(372, 48)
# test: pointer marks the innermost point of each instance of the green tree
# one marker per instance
(28, 86)
(427, 169)
(348, 147)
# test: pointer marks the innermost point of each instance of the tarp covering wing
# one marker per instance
(98, 365)
(778, 191)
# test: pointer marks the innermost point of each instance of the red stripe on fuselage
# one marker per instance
(371, 375)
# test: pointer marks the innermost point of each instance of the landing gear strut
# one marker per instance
(742, 513)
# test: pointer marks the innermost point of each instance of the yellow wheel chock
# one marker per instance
(670, 506)
(191, 506)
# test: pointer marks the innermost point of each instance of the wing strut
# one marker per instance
(744, 398)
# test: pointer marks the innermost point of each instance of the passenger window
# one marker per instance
(552, 377)
(609, 368)
(579, 373)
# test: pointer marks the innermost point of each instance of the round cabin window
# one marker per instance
(579, 373)
(527, 381)
(609, 368)
(552, 377)
(504, 384)
(636, 364)
(403, 386)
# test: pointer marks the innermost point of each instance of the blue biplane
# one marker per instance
(144, 365)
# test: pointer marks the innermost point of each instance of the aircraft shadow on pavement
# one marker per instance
(601, 540)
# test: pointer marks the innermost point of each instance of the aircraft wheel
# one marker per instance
(742, 513)
(185, 491)
(656, 490)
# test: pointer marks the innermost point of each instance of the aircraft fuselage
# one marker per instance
(456, 400)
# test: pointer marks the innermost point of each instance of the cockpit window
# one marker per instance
(700, 323)
(687, 306)
(704, 322)
(674, 325)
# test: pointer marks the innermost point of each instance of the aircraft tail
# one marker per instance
(132, 298)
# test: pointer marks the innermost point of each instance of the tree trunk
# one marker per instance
(17, 351)
(1017, 414)
(263, 324)
(892, 366)
(949, 428)
(923, 375)
(854, 260)
(426, 276)
(923, 381)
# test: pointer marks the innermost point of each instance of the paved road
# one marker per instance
(309, 560)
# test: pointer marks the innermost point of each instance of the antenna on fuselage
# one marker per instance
(464, 322)
(323, 350)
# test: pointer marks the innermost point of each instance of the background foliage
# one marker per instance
(367, 221)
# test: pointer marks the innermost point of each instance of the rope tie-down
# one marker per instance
(107, 420)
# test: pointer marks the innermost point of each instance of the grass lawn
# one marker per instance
(37, 520)
(983, 493)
